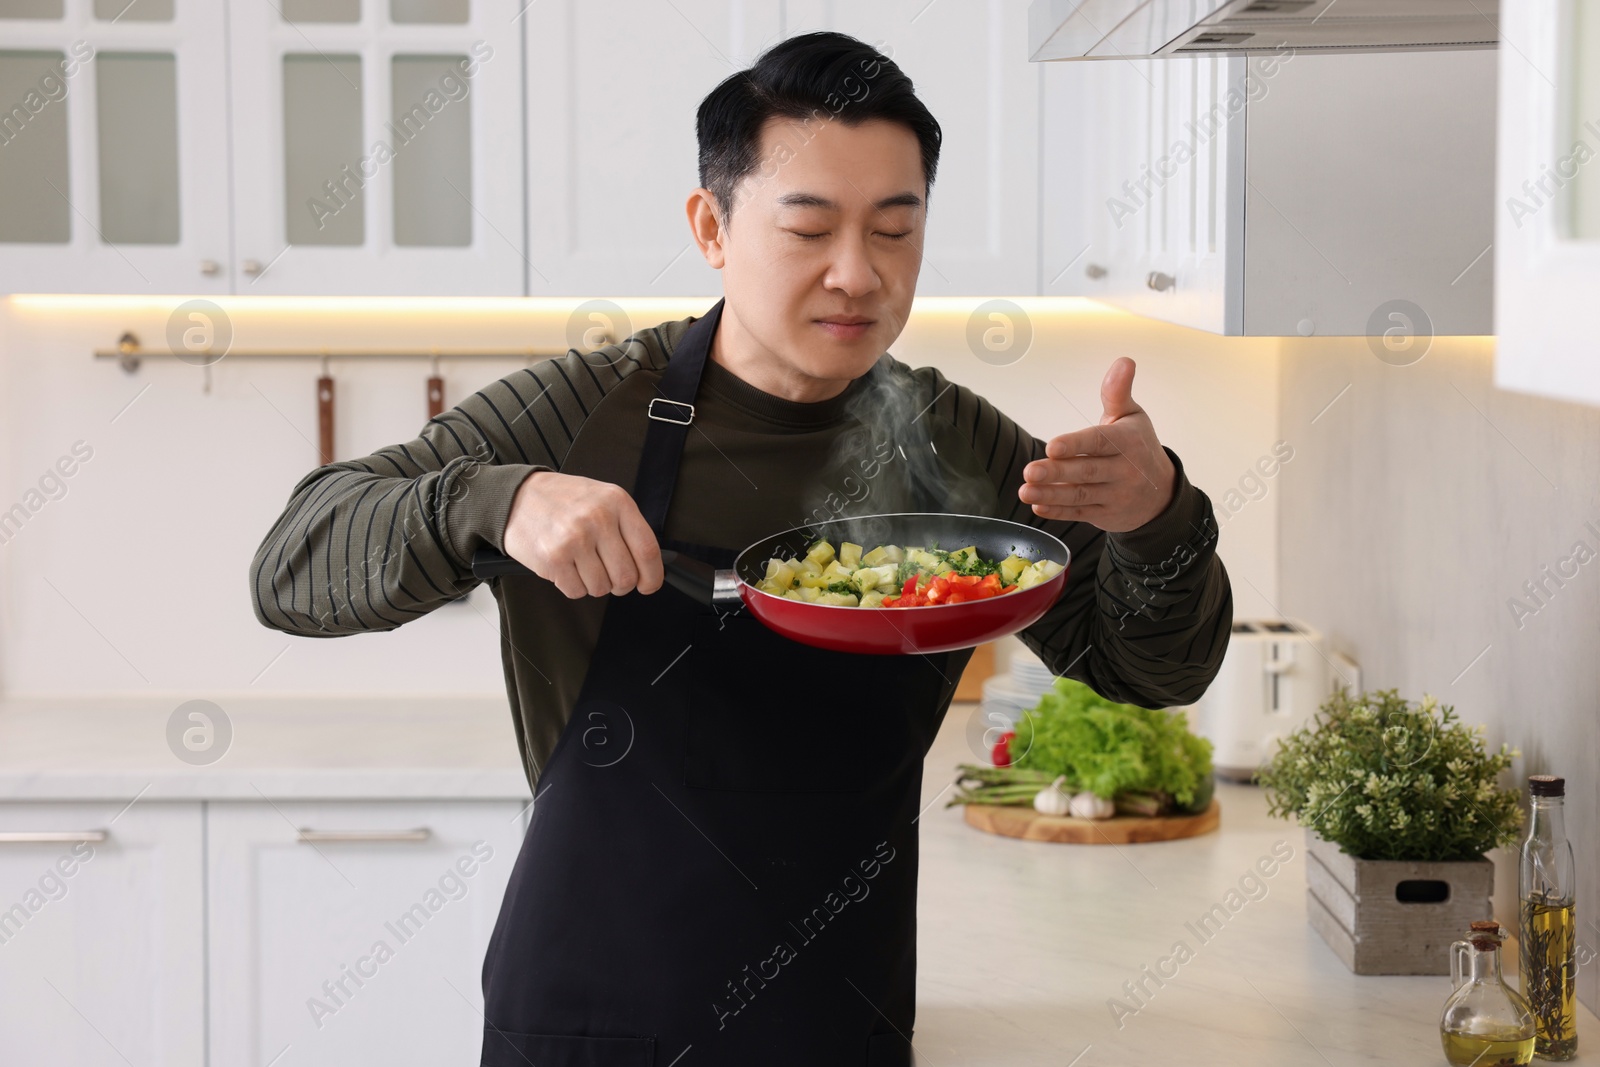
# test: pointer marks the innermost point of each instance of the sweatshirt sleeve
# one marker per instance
(1146, 614)
(368, 544)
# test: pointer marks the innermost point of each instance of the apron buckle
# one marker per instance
(651, 411)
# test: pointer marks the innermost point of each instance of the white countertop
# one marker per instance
(1022, 943)
(281, 747)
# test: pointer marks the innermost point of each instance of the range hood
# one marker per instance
(1122, 29)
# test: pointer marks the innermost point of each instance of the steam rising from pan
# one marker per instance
(889, 415)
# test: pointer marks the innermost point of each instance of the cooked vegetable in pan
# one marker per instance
(892, 576)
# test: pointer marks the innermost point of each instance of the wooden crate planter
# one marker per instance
(1360, 908)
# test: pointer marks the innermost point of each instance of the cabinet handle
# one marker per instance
(252, 267)
(1095, 271)
(210, 267)
(1160, 281)
(317, 837)
(51, 837)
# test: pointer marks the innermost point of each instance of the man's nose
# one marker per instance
(851, 271)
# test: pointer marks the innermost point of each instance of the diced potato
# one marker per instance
(922, 558)
(965, 555)
(1042, 571)
(842, 600)
(808, 566)
(837, 572)
(779, 574)
(872, 600)
(850, 555)
(876, 556)
(816, 581)
(820, 553)
(869, 578)
(1010, 567)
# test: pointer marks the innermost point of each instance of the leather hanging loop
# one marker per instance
(325, 415)
(435, 392)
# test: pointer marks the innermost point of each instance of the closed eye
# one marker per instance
(809, 236)
(896, 236)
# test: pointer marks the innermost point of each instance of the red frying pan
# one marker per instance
(936, 628)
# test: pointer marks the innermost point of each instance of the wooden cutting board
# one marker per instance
(1029, 825)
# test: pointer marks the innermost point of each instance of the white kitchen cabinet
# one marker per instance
(377, 147)
(1547, 215)
(611, 160)
(613, 86)
(102, 934)
(1277, 195)
(1073, 145)
(1158, 151)
(113, 148)
(968, 63)
(364, 945)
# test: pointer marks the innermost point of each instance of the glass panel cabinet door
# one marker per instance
(113, 147)
(377, 147)
(1547, 217)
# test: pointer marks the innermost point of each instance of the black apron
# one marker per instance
(721, 864)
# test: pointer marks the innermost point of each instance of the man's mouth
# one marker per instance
(845, 327)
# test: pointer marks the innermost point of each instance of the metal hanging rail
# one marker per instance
(129, 354)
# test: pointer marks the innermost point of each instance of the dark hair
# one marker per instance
(825, 74)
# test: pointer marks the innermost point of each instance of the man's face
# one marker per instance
(820, 259)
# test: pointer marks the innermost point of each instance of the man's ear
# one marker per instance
(705, 222)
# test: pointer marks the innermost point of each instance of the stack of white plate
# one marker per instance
(1007, 696)
(1029, 671)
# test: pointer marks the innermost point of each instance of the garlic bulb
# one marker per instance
(1051, 800)
(1087, 805)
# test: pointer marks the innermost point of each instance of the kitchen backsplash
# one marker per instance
(130, 574)
(1446, 534)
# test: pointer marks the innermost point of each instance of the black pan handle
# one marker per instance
(689, 576)
(686, 574)
(487, 563)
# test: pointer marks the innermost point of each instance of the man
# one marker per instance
(721, 862)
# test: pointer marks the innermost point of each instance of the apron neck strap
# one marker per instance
(670, 413)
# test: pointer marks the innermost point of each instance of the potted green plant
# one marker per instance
(1399, 801)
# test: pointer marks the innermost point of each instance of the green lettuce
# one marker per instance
(1108, 748)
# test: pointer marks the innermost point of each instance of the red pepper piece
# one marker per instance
(1002, 749)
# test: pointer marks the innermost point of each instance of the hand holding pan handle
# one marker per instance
(684, 573)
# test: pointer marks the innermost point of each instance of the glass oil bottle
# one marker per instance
(1485, 1023)
(1547, 929)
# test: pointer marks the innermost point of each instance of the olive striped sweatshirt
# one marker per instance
(371, 543)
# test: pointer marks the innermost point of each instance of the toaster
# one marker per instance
(1274, 677)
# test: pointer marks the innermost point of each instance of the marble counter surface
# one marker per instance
(288, 747)
(1023, 946)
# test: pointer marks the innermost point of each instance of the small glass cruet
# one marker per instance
(1485, 1022)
